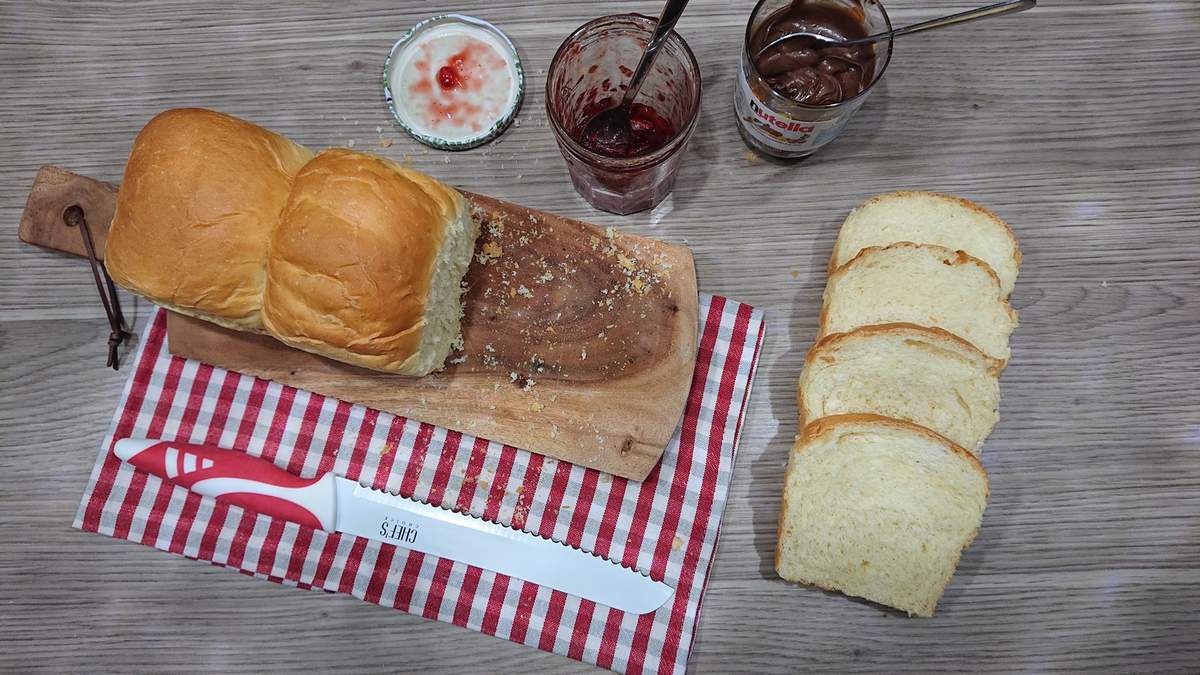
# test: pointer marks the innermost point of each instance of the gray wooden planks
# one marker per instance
(1074, 122)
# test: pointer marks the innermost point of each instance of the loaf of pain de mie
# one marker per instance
(344, 254)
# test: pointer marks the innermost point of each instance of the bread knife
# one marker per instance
(333, 503)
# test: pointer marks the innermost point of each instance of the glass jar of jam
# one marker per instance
(631, 172)
(798, 96)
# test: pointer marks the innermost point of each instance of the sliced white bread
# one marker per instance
(923, 285)
(931, 218)
(878, 509)
(923, 375)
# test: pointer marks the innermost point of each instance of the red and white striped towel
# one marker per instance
(666, 525)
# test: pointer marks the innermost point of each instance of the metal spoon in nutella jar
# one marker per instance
(1007, 7)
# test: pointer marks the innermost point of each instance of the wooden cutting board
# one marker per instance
(579, 343)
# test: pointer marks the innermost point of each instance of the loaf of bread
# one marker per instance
(907, 372)
(346, 254)
(931, 218)
(923, 285)
(201, 194)
(878, 509)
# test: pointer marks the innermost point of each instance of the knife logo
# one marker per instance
(398, 530)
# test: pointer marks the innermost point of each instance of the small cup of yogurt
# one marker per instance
(453, 82)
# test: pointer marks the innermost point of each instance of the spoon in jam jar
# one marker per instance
(612, 130)
(1007, 7)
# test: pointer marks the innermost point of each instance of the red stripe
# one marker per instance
(441, 477)
(387, 458)
(683, 466)
(437, 493)
(337, 428)
(216, 428)
(304, 437)
(408, 485)
(245, 528)
(608, 525)
(382, 471)
(704, 507)
(491, 615)
(533, 474)
(137, 484)
(142, 373)
(412, 567)
(335, 438)
(359, 455)
(379, 573)
(325, 562)
(353, 560)
(679, 482)
(583, 504)
(191, 502)
(558, 599)
(283, 410)
(412, 472)
(295, 566)
(266, 554)
(366, 431)
(466, 495)
(212, 533)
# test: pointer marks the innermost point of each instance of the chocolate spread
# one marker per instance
(804, 70)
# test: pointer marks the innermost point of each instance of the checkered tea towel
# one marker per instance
(666, 525)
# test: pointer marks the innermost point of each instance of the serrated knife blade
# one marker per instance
(332, 502)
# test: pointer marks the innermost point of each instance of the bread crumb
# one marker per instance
(583, 355)
(610, 232)
(524, 292)
(461, 359)
(490, 251)
(677, 544)
(795, 274)
(385, 142)
(536, 406)
(350, 143)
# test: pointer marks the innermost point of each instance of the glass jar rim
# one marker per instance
(887, 20)
(568, 142)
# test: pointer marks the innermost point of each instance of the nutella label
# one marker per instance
(780, 131)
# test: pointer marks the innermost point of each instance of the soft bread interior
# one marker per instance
(878, 509)
(931, 218)
(441, 327)
(923, 285)
(907, 372)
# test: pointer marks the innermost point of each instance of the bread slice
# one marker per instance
(931, 218)
(923, 285)
(878, 509)
(923, 375)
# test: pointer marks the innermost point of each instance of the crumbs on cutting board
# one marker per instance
(528, 288)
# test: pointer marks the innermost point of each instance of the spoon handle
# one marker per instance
(666, 23)
(961, 17)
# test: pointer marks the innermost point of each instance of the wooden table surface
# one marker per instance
(1076, 122)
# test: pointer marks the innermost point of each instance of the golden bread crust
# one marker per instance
(201, 193)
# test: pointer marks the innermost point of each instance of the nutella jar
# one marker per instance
(798, 96)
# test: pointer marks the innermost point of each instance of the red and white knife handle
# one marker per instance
(237, 478)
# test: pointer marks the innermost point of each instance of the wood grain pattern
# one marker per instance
(1073, 121)
(578, 343)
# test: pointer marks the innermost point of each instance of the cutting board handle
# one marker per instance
(54, 190)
